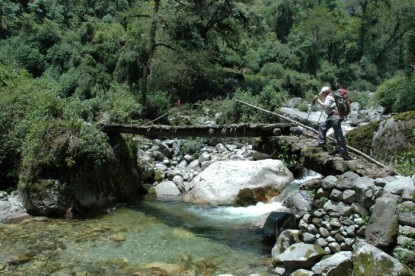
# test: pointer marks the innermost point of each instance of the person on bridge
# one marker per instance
(333, 120)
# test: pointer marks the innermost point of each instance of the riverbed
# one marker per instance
(148, 237)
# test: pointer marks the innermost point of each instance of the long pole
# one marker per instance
(315, 131)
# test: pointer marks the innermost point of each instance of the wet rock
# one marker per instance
(285, 240)
(166, 189)
(277, 222)
(337, 264)
(221, 182)
(300, 255)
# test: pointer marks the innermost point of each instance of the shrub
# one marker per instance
(272, 70)
(158, 103)
(122, 107)
(395, 94)
(272, 96)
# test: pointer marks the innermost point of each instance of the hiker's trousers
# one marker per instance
(335, 123)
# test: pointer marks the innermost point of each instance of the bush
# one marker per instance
(395, 94)
(158, 103)
(272, 96)
(122, 107)
(360, 97)
(272, 70)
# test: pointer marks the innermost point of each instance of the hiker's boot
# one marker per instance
(346, 157)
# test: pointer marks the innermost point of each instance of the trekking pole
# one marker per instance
(309, 112)
(320, 117)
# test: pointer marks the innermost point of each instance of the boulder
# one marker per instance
(369, 260)
(404, 187)
(285, 240)
(166, 189)
(394, 136)
(220, 183)
(277, 222)
(85, 187)
(300, 255)
(382, 229)
(337, 264)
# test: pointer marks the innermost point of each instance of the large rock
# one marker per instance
(300, 255)
(85, 187)
(382, 229)
(369, 260)
(221, 182)
(277, 222)
(167, 189)
(403, 187)
(337, 264)
(285, 240)
(394, 136)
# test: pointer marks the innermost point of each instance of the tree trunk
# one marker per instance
(150, 53)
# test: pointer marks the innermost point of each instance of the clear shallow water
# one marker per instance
(145, 238)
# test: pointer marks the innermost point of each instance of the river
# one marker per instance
(148, 237)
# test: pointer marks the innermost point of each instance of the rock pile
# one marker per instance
(364, 225)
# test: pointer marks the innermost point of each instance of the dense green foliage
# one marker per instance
(66, 65)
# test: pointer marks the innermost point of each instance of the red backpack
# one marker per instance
(342, 102)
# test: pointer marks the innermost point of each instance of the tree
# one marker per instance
(8, 16)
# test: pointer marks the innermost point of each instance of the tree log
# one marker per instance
(235, 130)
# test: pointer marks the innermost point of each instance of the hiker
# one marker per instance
(333, 121)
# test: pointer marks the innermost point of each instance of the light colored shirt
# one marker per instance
(329, 104)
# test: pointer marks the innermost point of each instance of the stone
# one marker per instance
(300, 255)
(359, 209)
(346, 181)
(403, 187)
(329, 182)
(336, 195)
(349, 196)
(324, 232)
(178, 180)
(285, 240)
(322, 242)
(277, 222)
(366, 191)
(406, 213)
(309, 238)
(221, 182)
(369, 260)
(382, 228)
(335, 222)
(337, 208)
(167, 189)
(338, 264)
(298, 201)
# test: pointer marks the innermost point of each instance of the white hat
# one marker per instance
(324, 89)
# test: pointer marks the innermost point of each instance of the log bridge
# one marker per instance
(232, 130)
(279, 137)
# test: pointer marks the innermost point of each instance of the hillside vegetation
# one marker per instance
(66, 65)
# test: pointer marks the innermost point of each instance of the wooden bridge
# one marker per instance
(273, 139)
(233, 130)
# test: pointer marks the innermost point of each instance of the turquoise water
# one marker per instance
(144, 238)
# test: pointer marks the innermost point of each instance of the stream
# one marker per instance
(148, 237)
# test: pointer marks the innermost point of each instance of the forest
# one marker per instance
(66, 66)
